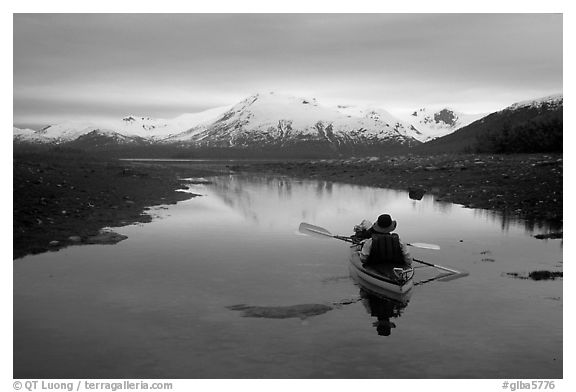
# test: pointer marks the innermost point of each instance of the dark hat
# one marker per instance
(384, 224)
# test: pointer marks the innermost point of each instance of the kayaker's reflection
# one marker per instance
(383, 309)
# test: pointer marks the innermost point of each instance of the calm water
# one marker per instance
(157, 304)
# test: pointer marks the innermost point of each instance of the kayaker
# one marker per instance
(382, 247)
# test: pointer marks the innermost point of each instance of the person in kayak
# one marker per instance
(380, 245)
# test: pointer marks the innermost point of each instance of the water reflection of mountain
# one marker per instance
(259, 198)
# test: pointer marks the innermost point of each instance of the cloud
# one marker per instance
(165, 62)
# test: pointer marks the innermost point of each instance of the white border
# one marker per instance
(247, 6)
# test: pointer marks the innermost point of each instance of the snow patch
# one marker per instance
(550, 100)
(433, 124)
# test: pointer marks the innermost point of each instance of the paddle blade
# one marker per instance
(424, 246)
(314, 231)
(453, 277)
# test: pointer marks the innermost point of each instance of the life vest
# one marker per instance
(386, 249)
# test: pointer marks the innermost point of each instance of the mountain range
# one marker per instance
(271, 122)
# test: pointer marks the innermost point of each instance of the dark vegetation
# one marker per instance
(545, 275)
(537, 275)
(547, 236)
(544, 135)
(525, 130)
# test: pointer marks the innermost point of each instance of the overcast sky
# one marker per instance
(87, 66)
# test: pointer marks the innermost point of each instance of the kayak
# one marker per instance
(396, 280)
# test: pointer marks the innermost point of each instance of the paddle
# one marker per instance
(439, 277)
(320, 232)
(437, 266)
(453, 276)
(445, 277)
(424, 246)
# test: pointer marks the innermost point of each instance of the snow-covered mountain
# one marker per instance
(551, 102)
(28, 135)
(129, 129)
(437, 123)
(278, 120)
(262, 120)
(382, 116)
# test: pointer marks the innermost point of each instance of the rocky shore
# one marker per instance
(520, 186)
(67, 198)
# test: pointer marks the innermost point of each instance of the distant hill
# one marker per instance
(524, 127)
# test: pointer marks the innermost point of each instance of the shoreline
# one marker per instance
(527, 186)
(66, 198)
